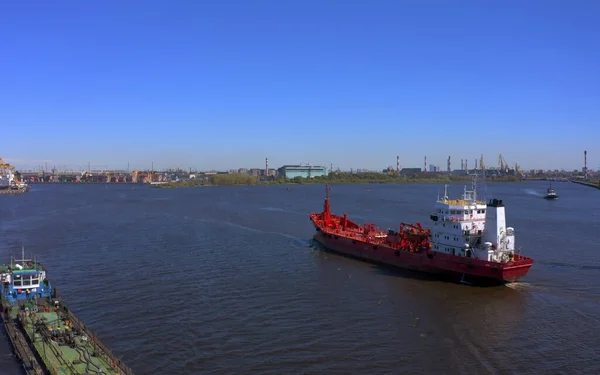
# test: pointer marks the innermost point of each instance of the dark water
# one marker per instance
(227, 281)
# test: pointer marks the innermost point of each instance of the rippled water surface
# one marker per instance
(227, 281)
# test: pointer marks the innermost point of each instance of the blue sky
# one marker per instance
(224, 84)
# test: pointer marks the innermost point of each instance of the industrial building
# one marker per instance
(304, 171)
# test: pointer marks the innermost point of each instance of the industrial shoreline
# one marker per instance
(186, 184)
(249, 180)
(294, 174)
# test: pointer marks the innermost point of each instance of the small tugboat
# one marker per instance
(46, 336)
(550, 193)
(469, 242)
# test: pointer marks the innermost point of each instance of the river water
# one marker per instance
(228, 281)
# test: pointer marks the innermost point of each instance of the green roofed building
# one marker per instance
(304, 171)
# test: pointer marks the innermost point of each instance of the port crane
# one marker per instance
(502, 165)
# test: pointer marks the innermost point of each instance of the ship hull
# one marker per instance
(442, 265)
(23, 349)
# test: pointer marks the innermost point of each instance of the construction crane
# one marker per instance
(5, 166)
(502, 164)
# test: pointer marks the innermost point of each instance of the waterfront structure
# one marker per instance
(304, 171)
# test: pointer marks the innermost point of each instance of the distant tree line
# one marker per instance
(374, 177)
(234, 179)
(231, 179)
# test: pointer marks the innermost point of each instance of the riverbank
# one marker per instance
(594, 184)
(234, 179)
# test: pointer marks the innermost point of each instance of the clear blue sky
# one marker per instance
(224, 84)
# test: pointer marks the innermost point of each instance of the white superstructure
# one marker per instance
(6, 177)
(8, 181)
(470, 228)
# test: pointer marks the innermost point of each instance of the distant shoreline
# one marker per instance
(246, 182)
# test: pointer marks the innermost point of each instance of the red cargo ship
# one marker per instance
(468, 241)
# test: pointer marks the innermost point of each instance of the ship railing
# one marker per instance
(22, 349)
(111, 358)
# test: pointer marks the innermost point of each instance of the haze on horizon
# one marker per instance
(222, 85)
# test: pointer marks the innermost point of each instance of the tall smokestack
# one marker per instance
(462, 165)
(425, 164)
(475, 164)
(397, 164)
(449, 164)
(466, 165)
(585, 163)
(266, 167)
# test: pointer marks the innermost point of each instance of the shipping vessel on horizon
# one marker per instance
(8, 182)
(468, 241)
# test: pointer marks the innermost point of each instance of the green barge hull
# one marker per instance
(48, 339)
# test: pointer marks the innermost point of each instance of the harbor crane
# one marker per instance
(502, 164)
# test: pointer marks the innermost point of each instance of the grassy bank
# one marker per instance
(595, 184)
(234, 179)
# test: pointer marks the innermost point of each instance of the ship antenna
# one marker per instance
(475, 187)
(484, 186)
(326, 206)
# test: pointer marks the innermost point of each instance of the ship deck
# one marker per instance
(63, 349)
(25, 267)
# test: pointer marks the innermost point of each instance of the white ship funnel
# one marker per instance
(495, 222)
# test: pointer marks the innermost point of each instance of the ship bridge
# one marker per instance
(468, 208)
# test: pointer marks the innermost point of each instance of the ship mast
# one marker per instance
(23, 260)
(326, 206)
(475, 188)
(471, 196)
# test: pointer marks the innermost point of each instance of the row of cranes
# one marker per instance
(503, 168)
